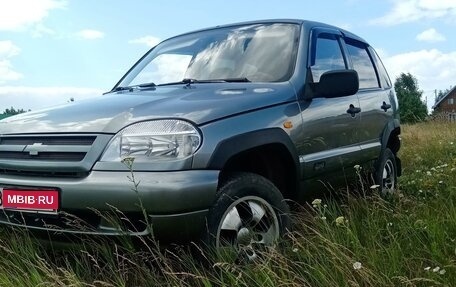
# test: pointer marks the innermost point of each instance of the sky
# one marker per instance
(55, 50)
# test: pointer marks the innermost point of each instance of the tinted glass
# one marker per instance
(384, 78)
(260, 53)
(328, 56)
(363, 65)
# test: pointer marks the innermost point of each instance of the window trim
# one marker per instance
(314, 35)
(365, 46)
(374, 54)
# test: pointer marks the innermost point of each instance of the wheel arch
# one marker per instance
(391, 139)
(267, 152)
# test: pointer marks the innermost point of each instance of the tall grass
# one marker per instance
(354, 240)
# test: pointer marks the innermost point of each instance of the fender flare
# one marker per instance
(230, 147)
(390, 127)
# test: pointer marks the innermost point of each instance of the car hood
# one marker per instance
(198, 103)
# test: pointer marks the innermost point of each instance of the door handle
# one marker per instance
(385, 106)
(353, 110)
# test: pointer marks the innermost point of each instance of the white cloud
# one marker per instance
(19, 14)
(7, 51)
(433, 69)
(90, 34)
(430, 35)
(40, 97)
(405, 11)
(7, 73)
(150, 41)
(40, 30)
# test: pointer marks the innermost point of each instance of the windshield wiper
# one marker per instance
(131, 88)
(235, 80)
(189, 81)
(186, 81)
(118, 89)
(147, 85)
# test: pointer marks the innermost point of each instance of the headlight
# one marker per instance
(154, 140)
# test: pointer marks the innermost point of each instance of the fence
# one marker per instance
(445, 117)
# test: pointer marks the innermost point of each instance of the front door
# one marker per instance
(328, 145)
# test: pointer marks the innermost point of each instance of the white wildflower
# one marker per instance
(295, 250)
(375, 186)
(441, 182)
(428, 173)
(316, 202)
(357, 167)
(341, 221)
(443, 271)
(323, 217)
(436, 269)
(427, 268)
(357, 265)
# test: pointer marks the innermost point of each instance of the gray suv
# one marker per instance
(207, 136)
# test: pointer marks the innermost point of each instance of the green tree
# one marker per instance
(411, 107)
(441, 94)
(13, 111)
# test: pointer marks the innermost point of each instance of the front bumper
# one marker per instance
(176, 203)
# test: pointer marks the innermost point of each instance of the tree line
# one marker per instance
(12, 111)
(411, 108)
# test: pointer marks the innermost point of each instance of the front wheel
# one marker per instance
(249, 215)
(386, 173)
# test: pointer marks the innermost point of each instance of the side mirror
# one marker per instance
(337, 83)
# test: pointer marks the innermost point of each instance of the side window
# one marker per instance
(382, 73)
(327, 56)
(362, 64)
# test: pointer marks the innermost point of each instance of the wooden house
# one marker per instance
(445, 106)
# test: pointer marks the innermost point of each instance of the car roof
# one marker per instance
(305, 23)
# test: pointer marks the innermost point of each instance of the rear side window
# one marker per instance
(328, 56)
(362, 64)
(383, 75)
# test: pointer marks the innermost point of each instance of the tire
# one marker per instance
(249, 214)
(386, 173)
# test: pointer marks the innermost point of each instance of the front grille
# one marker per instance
(77, 221)
(46, 148)
(81, 221)
(50, 155)
(47, 140)
(28, 173)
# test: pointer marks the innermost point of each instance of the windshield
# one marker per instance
(259, 53)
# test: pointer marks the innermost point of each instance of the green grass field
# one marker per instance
(356, 240)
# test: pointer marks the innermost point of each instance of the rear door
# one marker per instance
(375, 97)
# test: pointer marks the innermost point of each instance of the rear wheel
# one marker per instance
(386, 173)
(249, 215)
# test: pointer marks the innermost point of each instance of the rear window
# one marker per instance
(362, 64)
